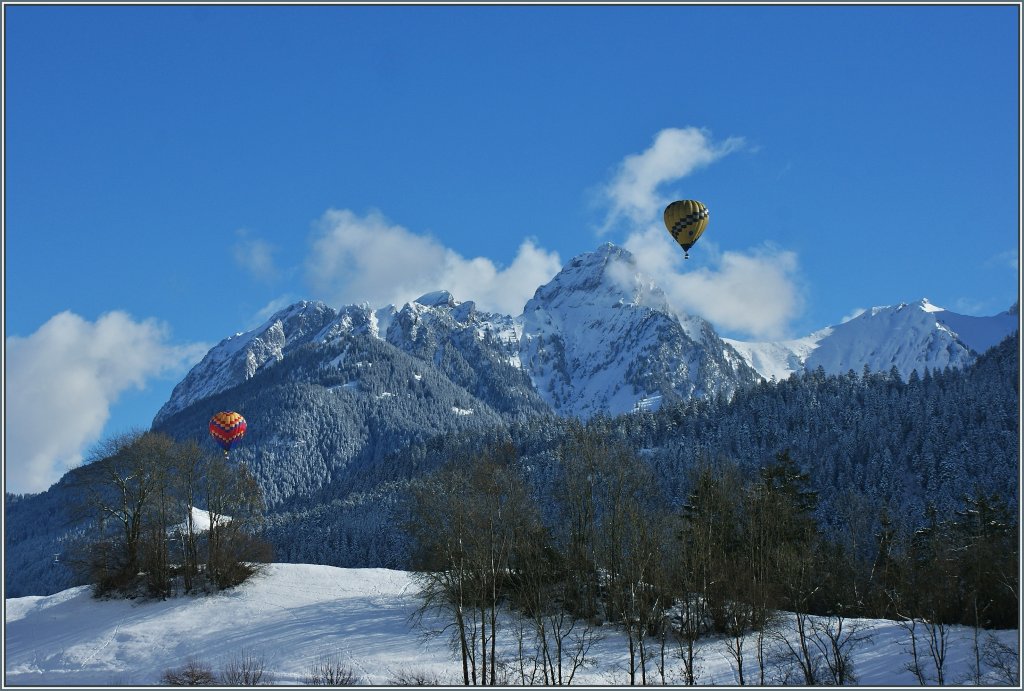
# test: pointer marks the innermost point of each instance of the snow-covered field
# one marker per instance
(294, 615)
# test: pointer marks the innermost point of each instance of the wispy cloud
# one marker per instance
(62, 380)
(636, 194)
(355, 259)
(254, 255)
(752, 293)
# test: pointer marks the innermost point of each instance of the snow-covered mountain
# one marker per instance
(601, 337)
(238, 358)
(329, 394)
(906, 336)
(435, 328)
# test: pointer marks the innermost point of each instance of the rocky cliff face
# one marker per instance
(600, 337)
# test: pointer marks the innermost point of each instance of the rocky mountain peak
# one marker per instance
(602, 337)
(608, 276)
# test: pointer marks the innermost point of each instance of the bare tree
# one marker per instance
(329, 671)
(689, 622)
(154, 546)
(123, 474)
(630, 549)
(909, 624)
(933, 584)
(560, 639)
(712, 537)
(141, 488)
(793, 560)
(1003, 660)
(836, 637)
(800, 584)
(612, 541)
(469, 521)
(189, 463)
(246, 669)
(415, 678)
(582, 460)
(762, 534)
(193, 673)
(739, 619)
(235, 505)
(937, 634)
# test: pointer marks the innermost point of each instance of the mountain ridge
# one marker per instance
(908, 336)
(599, 337)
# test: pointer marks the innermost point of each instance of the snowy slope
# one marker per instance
(295, 614)
(778, 359)
(237, 358)
(980, 333)
(424, 326)
(906, 336)
(421, 328)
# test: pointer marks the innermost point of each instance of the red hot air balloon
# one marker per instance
(227, 428)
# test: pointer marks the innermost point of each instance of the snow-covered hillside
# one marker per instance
(906, 336)
(238, 358)
(423, 328)
(296, 615)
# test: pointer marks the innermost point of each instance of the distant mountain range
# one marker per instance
(600, 337)
(907, 336)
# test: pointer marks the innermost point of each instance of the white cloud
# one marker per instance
(357, 259)
(634, 192)
(254, 255)
(61, 381)
(857, 311)
(754, 293)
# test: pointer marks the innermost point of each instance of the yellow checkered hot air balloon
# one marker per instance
(686, 219)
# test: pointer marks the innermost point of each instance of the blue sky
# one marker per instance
(174, 173)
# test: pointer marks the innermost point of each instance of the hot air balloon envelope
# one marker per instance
(227, 428)
(686, 220)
